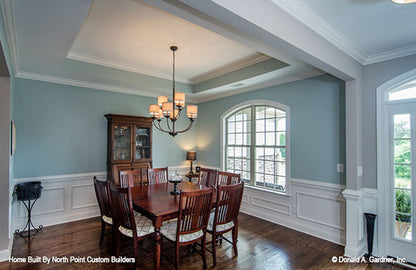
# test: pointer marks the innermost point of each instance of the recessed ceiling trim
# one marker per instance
(401, 52)
(103, 62)
(95, 86)
(7, 10)
(248, 61)
(203, 97)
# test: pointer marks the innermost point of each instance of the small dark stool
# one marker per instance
(28, 191)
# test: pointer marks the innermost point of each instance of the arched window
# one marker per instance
(255, 144)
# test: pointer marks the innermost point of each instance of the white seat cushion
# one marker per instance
(107, 220)
(169, 231)
(143, 224)
(221, 227)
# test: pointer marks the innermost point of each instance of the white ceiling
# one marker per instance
(134, 36)
(124, 45)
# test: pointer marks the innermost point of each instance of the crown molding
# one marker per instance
(311, 19)
(242, 63)
(393, 54)
(104, 62)
(8, 19)
(97, 86)
(204, 97)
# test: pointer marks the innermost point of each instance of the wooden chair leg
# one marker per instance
(177, 257)
(214, 248)
(118, 242)
(204, 251)
(102, 232)
(113, 236)
(234, 235)
(136, 252)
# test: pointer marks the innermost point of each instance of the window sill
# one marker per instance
(268, 191)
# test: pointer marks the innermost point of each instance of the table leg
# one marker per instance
(158, 240)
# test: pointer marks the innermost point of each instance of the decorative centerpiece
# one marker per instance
(175, 178)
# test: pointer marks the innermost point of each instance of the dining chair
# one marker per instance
(191, 224)
(128, 222)
(225, 217)
(127, 178)
(103, 198)
(228, 178)
(157, 176)
(207, 177)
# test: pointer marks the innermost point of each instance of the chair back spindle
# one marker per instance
(122, 206)
(194, 210)
(208, 177)
(228, 203)
(227, 178)
(131, 178)
(157, 176)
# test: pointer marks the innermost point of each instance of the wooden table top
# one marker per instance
(155, 201)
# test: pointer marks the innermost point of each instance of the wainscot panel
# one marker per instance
(64, 198)
(312, 207)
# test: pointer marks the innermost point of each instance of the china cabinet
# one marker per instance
(129, 144)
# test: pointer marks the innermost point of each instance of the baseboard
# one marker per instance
(355, 252)
(4, 255)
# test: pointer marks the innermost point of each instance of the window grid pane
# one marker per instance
(268, 152)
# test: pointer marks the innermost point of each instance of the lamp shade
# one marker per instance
(154, 109)
(191, 155)
(180, 99)
(161, 100)
(191, 111)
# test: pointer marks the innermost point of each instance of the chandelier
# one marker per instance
(403, 1)
(171, 111)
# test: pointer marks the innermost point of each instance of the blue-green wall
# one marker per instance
(61, 129)
(317, 135)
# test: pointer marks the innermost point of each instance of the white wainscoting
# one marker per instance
(64, 198)
(312, 207)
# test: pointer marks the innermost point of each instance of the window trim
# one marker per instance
(384, 107)
(258, 102)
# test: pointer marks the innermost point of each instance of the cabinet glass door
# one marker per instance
(122, 142)
(142, 143)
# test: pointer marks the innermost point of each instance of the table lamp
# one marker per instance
(191, 156)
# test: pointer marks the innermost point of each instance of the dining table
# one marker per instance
(158, 204)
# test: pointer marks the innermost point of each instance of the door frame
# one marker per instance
(383, 154)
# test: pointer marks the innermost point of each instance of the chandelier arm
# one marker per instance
(190, 125)
(167, 121)
(158, 127)
(179, 113)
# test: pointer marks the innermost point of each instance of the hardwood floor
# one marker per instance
(262, 245)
